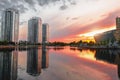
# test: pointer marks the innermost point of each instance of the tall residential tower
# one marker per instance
(117, 33)
(45, 33)
(34, 30)
(10, 25)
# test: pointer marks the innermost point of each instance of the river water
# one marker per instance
(59, 63)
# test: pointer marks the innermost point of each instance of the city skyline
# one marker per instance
(69, 19)
(37, 32)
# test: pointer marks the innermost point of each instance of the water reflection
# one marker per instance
(73, 48)
(106, 55)
(58, 48)
(117, 60)
(111, 56)
(8, 64)
(45, 57)
(36, 60)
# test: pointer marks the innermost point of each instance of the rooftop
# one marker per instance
(12, 9)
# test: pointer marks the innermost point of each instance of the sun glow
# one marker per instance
(93, 33)
(96, 32)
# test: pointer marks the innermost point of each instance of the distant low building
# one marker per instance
(106, 36)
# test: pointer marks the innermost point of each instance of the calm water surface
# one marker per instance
(63, 63)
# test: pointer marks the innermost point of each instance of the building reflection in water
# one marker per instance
(117, 61)
(45, 57)
(8, 64)
(111, 56)
(58, 48)
(36, 60)
(106, 55)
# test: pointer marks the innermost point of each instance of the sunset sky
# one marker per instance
(69, 20)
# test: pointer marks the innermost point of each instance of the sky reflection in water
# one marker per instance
(58, 63)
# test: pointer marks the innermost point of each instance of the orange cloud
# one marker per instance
(69, 33)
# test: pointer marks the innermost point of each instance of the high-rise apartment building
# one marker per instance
(34, 30)
(45, 33)
(117, 33)
(9, 29)
(118, 22)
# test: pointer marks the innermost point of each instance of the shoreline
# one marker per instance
(39, 46)
(91, 47)
(17, 46)
(101, 47)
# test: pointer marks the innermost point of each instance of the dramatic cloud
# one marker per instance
(12, 4)
(31, 2)
(46, 2)
(63, 7)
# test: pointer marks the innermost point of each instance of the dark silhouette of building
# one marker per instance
(8, 65)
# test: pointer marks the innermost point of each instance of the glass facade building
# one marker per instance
(45, 33)
(10, 25)
(34, 30)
